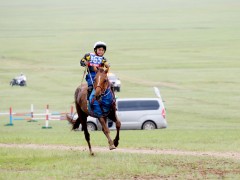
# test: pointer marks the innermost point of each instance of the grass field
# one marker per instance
(189, 49)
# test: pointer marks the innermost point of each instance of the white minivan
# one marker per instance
(136, 113)
(141, 113)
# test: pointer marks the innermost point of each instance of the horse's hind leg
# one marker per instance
(107, 133)
(115, 119)
(86, 133)
(118, 126)
(83, 121)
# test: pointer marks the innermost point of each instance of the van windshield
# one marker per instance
(138, 105)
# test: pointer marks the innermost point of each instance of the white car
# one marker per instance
(116, 83)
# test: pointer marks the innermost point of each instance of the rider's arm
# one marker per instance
(85, 60)
(105, 63)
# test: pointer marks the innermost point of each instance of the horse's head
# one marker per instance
(101, 82)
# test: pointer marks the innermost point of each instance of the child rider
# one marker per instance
(94, 59)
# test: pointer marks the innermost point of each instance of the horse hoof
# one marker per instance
(112, 147)
(115, 142)
(92, 154)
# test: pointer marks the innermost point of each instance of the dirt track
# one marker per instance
(228, 155)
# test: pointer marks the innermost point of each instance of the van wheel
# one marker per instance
(148, 125)
(91, 126)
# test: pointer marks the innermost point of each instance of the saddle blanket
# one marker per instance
(102, 107)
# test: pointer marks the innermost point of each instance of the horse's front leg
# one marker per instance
(114, 118)
(106, 132)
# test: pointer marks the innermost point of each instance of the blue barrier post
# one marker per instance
(10, 118)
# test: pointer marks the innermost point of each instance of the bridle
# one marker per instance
(103, 93)
(102, 90)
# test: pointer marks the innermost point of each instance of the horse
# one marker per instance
(102, 99)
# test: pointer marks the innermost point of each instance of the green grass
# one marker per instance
(33, 163)
(190, 50)
(202, 138)
(60, 164)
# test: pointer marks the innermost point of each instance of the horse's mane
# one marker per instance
(101, 70)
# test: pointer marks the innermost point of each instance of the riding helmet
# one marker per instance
(100, 44)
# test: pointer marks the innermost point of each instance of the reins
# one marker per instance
(84, 75)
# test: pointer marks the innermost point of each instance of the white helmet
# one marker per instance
(100, 44)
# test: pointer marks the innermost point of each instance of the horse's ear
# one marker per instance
(106, 68)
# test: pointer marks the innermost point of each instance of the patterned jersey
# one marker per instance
(93, 60)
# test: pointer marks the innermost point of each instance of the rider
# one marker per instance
(20, 79)
(94, 59)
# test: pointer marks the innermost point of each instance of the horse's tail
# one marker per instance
(70, 119)
(75, 123)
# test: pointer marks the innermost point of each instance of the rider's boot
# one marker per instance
(113, 92)
(90, 88)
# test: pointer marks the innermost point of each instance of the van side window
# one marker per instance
(138, 105)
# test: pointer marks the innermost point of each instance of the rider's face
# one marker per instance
(100, 51)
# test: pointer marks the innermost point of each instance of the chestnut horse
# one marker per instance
(101, 91)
